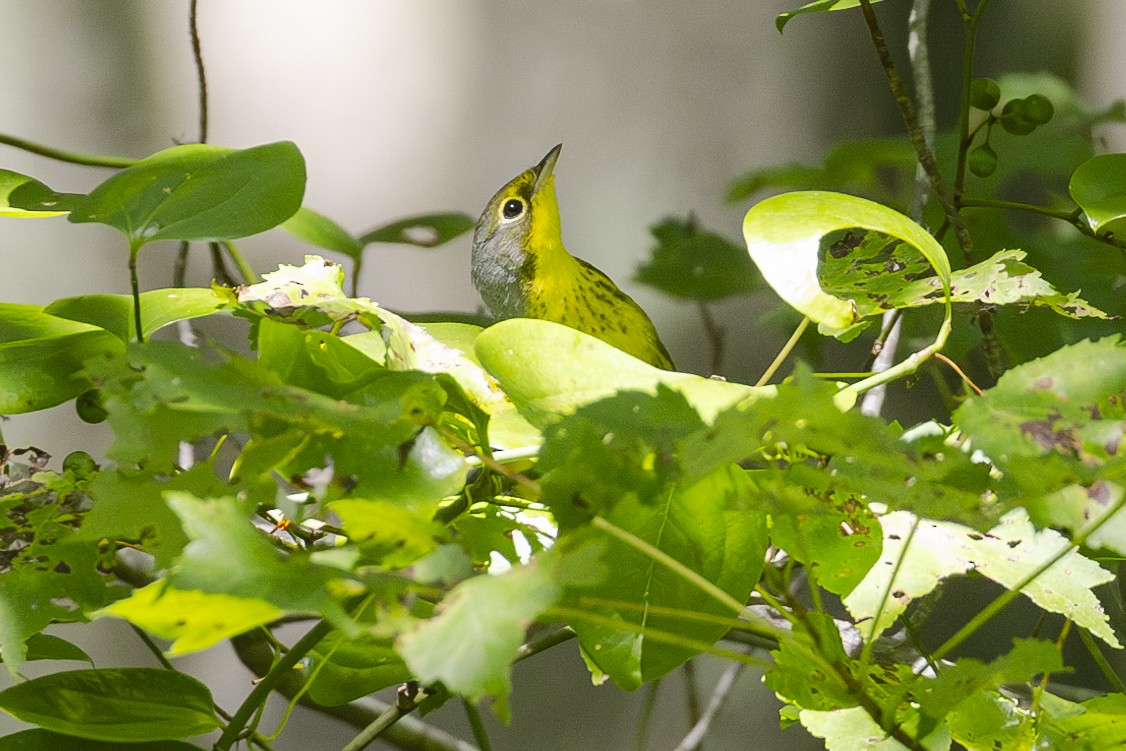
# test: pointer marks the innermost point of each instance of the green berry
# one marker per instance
(984, 93)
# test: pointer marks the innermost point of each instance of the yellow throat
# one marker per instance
(522, 270)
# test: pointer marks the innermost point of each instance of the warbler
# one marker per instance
(522, 270)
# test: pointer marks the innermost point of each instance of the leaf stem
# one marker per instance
(1009, 595)
(244, 268)
(71, 157)
(783, 353)
(262, 689)
(390, 716)
(990, 203)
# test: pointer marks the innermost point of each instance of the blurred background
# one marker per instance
(431, 105)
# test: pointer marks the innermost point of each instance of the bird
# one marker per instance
(522, 270)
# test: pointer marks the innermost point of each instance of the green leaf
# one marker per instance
(853, 729)
(160, 307)
(875, 274)
(471, 643)
(954, 684)
(989, 721)
(784, 236)
(191, 619)
(47, 647)
(664, 619)
(45, 740)
(549, 370)
(1099, 187)
(693, 264)
(318, 229)
(1064, 412)
(228, 555)
(919, 553)
(348, 669)
(315, 360)
(25, 197)
(817, 6)
(423, 231)
(41, 356)
(803, 671)
(199, 192)
(618, 459)
(1098, 723)
(388, 533)
(124, 704)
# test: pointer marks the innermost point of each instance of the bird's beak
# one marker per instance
(544, 169)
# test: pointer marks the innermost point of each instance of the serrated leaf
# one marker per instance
(317, 229)
(1099, 187)
(469, 645)
(45, 740)
(388, 533)
(41, 357)
(199, 192)
(192, 620)
(25, 197)
(1055, 422)
(693, 264)
(423, 231)
(549, 370)
(936, 550)
(160, 307)
(123, 704)
(785, 236)
(853, 729)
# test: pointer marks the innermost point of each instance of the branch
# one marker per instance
(719, 696)
(254, 652)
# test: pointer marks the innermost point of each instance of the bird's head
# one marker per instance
(523, 215)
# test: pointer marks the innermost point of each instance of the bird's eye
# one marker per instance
(513, 208)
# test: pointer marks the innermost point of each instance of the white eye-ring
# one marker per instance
(512, 209)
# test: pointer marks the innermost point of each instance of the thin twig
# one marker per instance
(956, 369)
(716, 701)
(915, 131)
(717, 336)
(201, 76)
